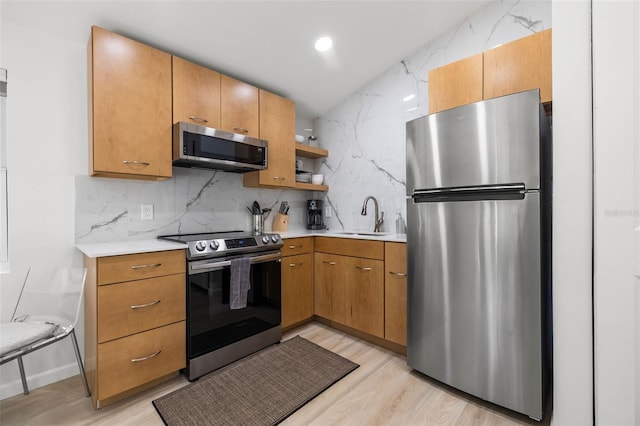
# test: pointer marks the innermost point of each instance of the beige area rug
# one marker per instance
(261, 389)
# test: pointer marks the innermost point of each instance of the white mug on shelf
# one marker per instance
(317, 179)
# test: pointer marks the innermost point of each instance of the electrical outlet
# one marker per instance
(327, 211)
(146, 211)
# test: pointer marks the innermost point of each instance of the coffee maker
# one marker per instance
(314, 214)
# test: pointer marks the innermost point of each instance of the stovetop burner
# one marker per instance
(219, 244)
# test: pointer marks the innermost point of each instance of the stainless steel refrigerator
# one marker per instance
(479, 250)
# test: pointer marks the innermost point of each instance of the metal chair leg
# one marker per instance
(83, 377)
(25, 388)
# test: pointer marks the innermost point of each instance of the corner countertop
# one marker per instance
(116, 248)
(385, 236)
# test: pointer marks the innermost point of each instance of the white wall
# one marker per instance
(616, 76)
(572, 218)
(47, 147)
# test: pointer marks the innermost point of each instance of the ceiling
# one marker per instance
(267, 43)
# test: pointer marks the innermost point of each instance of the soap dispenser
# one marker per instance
(400, 227)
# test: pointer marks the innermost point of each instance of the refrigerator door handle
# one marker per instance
(506, 191)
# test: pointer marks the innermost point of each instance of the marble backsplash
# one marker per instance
(194, 200)
(365, 136)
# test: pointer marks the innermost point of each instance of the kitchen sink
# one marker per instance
(369, 234)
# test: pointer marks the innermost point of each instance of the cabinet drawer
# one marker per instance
(135, 306)
(115, 269)
(350, 247)
(294, 246)
(132, 361)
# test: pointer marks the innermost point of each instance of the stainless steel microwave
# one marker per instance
(204, 147)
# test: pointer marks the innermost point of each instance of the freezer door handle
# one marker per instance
(506, 191)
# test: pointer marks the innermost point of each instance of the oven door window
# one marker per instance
(223, 149)
(211, 322)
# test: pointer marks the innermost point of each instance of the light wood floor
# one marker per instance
(382, 391)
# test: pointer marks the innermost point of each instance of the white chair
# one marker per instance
(47, 311)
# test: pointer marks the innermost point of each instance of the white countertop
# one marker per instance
(385, 236)
(116, 248)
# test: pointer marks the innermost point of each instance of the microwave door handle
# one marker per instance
(226, 263)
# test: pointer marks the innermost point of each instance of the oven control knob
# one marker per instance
(214, 245)
(201, 245)
(274, 238)
(265, 239)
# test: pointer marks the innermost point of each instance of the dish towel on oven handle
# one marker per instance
(240, 282)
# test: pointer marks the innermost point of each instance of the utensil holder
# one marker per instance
(280, 222)
(258, 224)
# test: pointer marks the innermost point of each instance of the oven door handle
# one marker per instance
(226, 263)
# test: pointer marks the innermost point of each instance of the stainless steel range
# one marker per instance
(217, 334)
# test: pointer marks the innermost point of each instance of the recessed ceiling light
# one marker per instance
(323, 44)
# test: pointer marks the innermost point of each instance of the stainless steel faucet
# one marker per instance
(379, 219)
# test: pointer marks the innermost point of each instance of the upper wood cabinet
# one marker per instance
(196, 94)
(455, 84)
(137, 92)
(277, 127)
(130, 108)
(239, 107)
(521, 65)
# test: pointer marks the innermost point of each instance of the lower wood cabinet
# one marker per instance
(135, 306)
(350, 289)
(365, 295)
(135, 312)
(330, 272)
(140, 358)
(297, 280)
(297, 289)
(395, 293)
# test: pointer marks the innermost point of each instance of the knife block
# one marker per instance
(280, 223)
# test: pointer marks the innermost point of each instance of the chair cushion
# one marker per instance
(14, 335)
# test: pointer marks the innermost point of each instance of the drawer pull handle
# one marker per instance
(136, 163)
(364, 269)
(278, 179)
(150, 265)
(293, 247)
(155, 302)
(294, 265)
(144, 358)
(398, 274)
(240, 129)
(329, 263)
(200, 119)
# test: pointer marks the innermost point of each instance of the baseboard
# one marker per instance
(402, 350)
(37, 380)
